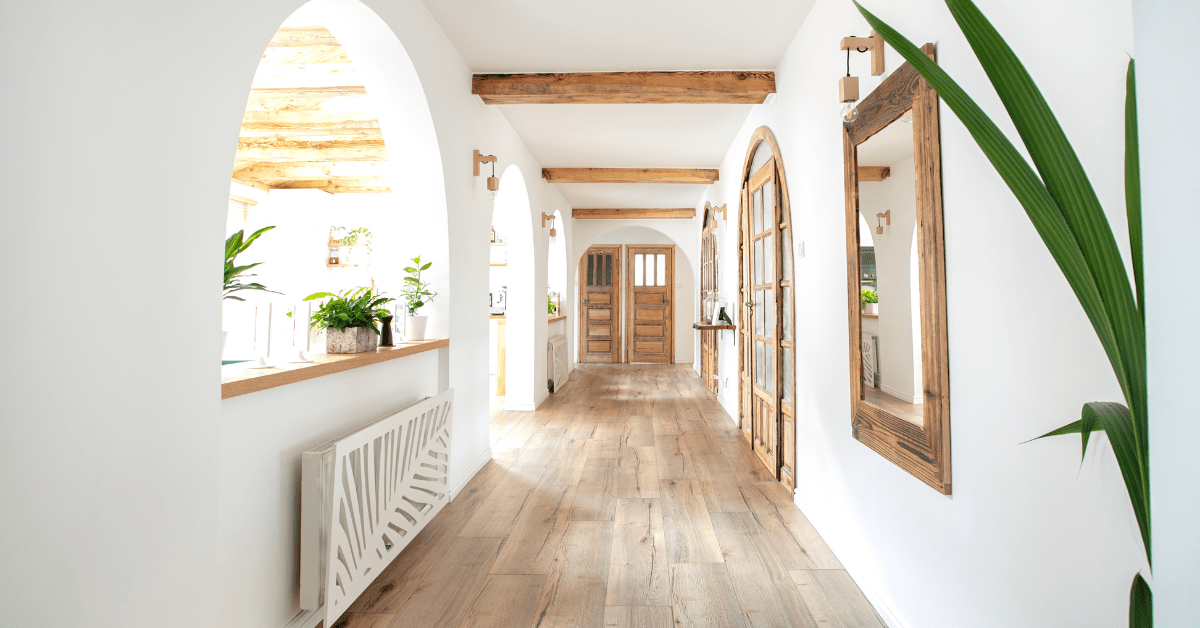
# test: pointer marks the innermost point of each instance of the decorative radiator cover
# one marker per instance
(870, 364)
(559, 362)
(365, 495)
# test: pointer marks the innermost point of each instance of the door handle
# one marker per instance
(666, 301)
(750, 304)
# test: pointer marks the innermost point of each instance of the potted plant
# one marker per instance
(348, 319)
(416, 294)
(870, 301)
(235, 245)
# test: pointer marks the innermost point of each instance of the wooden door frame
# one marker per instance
(709, 342)
(785, 458)
(669, 323)
(616, 305)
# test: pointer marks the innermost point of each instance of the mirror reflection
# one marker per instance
(890, 290)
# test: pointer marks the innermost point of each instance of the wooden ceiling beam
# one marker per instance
(291, 119)
(640, 213)
(275, 149)
(308, 92)
(873, 173)
(702, 176)
(302, 36)
(311, 169)
(322, 183)
(721, 87)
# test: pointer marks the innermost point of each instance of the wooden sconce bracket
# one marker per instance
(481, 159)
(874, 44)
(724, 214)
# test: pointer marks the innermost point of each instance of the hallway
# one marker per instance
(628, 499)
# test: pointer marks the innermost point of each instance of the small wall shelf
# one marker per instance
(504, 264)
(710, 327)
(334, 245)
(342, 265)
(499, 244)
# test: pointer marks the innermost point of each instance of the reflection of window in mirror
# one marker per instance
(888, 266)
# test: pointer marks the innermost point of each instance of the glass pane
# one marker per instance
(591, 273)
(759, 348)
(769, 375)
(759, 308)
(637, 269)
(608, 270)
(787, 312)
(785, 240)
(662, 269)
(788, 384)
(769, 313)
(768, 260)
(756, 211)
(758, 263)
(771, 221)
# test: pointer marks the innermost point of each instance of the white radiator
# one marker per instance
(365, 495)
(870, 363)
(558, 362)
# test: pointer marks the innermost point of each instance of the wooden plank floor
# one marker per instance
(627, 500)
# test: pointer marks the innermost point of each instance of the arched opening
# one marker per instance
(332, 92)
(511, 282)
(682, 282)
(767, 349)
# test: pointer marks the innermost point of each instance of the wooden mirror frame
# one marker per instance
(922, 450)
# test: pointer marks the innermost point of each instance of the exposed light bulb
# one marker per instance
(849, 112)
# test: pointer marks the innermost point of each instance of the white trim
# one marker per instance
(901, 396)
(482, 460)
(307, 619)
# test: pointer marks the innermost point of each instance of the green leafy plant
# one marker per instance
(868, 296)
(550, 305)
(1063, 207)
(235, 245)
(416, 290)
(357, 307)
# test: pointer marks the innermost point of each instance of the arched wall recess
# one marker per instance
(513, 217)
(766, 336)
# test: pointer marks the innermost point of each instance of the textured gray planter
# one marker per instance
(353, 340)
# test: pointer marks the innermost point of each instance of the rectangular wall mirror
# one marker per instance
(899, 358)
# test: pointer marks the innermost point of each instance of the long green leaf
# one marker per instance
(1141, 604)
(1068, 184)
(1133, 186)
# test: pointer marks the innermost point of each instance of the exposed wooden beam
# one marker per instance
(361, 183)
(873, 173)
(642, 213)
(308, 92)
(275, 149)
(266, 170)
(289, 119)
(306, 75)
(251, 183)
(735, 87)
(301, 36)
(702, 176)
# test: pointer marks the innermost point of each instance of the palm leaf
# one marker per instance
(1141, 604)
(1133, 187)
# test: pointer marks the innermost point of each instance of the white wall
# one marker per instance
(686, 274)
(1166, 179)
(168, 502)
(1029, 538)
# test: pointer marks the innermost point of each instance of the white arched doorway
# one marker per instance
(512, 218)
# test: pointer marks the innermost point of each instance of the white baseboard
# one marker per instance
(469, 475)
(901, 396)
(307, 619)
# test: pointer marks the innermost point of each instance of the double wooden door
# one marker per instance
(646, 288)
(600, 305)
(766, 342)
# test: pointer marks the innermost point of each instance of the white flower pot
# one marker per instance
(414, 328)
(871, 308)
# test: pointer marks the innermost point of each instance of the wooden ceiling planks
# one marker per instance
(309, 123)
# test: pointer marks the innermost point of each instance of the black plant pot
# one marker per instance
(385, 337)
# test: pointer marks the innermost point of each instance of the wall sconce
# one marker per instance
(885, 215)
(549, 217)
(722, 209)
(848, 85)
(493, 184)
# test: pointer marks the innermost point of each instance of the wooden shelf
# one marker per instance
(865, 315)
(333, 245)
(504, 264)
(238, 380)
(341, 265)
(499, 244)
(554, 318)
(703, 327)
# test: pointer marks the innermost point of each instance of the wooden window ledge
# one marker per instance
(554, 319)
(704, 327)
(237, 380)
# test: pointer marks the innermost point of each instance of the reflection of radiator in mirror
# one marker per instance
(870, 360)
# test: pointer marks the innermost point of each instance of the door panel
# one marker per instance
(600, 298)
(761, 282)
(650, 313)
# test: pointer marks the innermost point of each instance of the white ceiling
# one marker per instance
(888, 147)
(517, 36)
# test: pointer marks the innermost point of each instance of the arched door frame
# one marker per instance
(785, 416)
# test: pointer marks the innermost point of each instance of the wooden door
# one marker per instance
(708, 285)
(649, 317)
(600, 304)
(764, 325)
